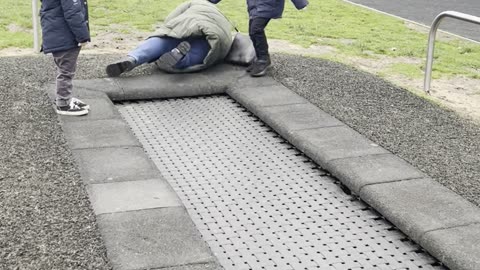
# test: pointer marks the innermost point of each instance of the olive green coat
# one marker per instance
(199, 18)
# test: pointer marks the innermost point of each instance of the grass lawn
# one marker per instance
(353, 31)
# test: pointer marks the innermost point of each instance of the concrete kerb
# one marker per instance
(430, 214)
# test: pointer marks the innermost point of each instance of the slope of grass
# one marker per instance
(326, 22)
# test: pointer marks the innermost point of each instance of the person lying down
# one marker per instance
(193, 37)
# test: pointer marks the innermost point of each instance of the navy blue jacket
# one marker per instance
(64, 24)
(271, 9)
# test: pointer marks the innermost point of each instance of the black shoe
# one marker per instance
(250, 67)
(260, 67)
(119, 67)
(71, 109)
(168, 60)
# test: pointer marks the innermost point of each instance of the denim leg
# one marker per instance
(258, 37)
(152, 48)
(199, 49)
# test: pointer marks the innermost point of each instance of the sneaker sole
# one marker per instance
(114, 70)
(79, 113)
(261, 73)
(86, 107)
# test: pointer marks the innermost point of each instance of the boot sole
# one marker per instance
(114, 70)
(170, 59)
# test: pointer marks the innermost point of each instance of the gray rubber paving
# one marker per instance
(257, 201)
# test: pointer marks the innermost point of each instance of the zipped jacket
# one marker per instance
(198, 18)
(64, 24)
(271, 9)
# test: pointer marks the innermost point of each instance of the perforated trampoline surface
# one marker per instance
(257, 201)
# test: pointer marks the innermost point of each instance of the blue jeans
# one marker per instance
(154, 47)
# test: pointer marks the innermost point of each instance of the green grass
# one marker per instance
(18, 14)
(408, 70)
(326, 22)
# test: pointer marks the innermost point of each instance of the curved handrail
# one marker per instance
(431, 40)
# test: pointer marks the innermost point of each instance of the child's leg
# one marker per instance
(152, 48)
(258, 37)
(250, 23)
(199, 49)
(66, 62)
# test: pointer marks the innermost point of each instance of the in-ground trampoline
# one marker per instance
(257, 201)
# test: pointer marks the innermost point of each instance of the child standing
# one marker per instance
(65, 30)
(260, 13)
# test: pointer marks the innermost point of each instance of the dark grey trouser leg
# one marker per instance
(66, 62)
(258, 37)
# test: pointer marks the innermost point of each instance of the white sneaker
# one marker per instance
(71, 109)
(80, 103)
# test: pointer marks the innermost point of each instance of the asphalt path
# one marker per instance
(424, 12)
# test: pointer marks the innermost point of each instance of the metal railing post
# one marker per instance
(36, 41)
(431, 40)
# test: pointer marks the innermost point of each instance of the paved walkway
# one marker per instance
(423, 11)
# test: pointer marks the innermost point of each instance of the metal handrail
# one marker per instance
(431, 40)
